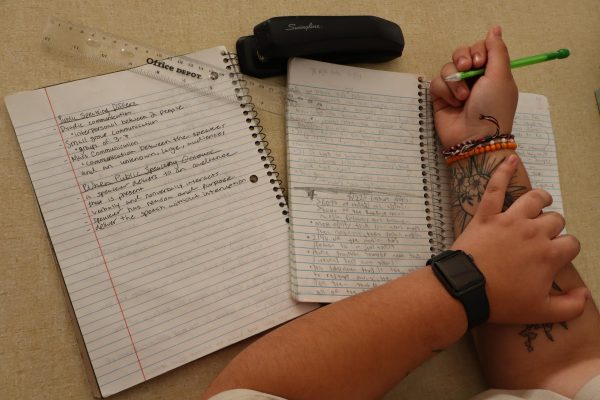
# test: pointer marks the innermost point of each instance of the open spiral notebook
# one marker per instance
(162, 208)
(170, 230)
(368, 189)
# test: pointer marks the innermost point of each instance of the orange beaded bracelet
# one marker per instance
(483, 148)
(485, 144)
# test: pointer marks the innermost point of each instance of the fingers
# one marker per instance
(551, 222)
(463, 59)
(479, 54)
(493, 198)
(498, 63)
(442, 95)
(567, 306)
(531, 203)
(459, 89)
(563, 250)
(466, 58)
(490, 53)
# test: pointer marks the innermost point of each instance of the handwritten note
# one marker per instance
(369, 191)
(169, 234)
(358, 212)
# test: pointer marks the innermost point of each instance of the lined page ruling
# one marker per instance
(357, 210)
(166, 227)
(533, 130)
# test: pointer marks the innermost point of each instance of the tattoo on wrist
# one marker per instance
(530, 331)
(469, 181)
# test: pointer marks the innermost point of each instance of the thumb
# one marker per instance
(498, 64)
(567, 306)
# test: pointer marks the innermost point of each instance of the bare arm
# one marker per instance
(360, 347)
(357, 348)
(560, 356)
(557, 356)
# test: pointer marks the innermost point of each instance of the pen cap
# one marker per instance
(563, 53)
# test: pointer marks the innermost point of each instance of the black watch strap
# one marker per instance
(458, 273)
(476, 305)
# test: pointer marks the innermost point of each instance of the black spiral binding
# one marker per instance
(245, 99)
(430, 150)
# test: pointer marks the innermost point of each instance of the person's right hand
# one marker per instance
(457, 109)
(520, 251)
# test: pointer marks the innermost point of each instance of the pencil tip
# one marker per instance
(452, 78)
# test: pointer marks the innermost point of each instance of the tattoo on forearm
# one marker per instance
(469, 182)
(530, 334)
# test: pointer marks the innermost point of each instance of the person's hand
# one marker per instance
(519, 252)
(457, 109)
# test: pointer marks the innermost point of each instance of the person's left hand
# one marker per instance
(520, 251)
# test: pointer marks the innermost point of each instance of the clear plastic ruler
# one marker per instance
(184, 71)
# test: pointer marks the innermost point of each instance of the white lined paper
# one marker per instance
(167, 250)
(537, 149)
(358, 215)
(357, 211)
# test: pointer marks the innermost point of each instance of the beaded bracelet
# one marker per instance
(493, 145)
(472, 143)
(482, 145)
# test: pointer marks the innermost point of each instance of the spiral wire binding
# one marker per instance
(243, 95)
(431, 174)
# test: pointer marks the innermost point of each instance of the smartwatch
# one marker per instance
(457, 271)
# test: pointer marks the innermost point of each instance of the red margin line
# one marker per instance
(95, 234)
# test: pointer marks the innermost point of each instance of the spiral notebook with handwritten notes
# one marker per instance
(170, 235)
(368, 189)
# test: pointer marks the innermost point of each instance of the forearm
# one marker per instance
(513, 356)
(357, 348)
(534, 355)
(560, 357)
(469, 179)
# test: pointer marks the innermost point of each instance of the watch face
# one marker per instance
(460, 271)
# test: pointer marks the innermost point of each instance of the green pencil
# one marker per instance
(520, 62)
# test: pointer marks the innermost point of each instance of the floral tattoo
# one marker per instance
(469, 181)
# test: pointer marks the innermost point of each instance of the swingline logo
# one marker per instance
(294, 27)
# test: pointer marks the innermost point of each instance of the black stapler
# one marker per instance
(339, 39)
